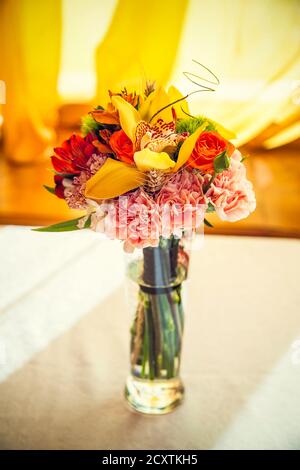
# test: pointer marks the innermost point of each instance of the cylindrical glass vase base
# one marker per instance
(154, 397)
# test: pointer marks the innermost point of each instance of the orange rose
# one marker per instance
(122, 146)
(207, 147)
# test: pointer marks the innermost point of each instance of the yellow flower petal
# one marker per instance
(187, 147)
(157, 100)
(227, 134)
(174, 94)
(129, 116)
(147, 160)
(113, 179)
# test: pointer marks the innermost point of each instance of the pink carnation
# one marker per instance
(140, 219)
(182, 203)
(133, 218)
(231, 193)
(74, 189)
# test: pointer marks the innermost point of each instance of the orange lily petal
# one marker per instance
(103, 148)
(105, 117)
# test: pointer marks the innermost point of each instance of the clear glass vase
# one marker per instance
(156, 275)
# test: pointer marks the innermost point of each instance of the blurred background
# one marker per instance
(58, 58)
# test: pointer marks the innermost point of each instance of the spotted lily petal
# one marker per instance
(187, 147)
(129, 116)
(113, 179)
(147, 160)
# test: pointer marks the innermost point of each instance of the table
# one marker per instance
(64, 341)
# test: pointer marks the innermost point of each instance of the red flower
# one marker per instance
(59, 187)
(122, 146)
(207, 147)
(73, 155)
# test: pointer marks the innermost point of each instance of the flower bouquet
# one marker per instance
(146, 172)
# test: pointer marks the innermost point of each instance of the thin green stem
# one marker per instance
(151, 347)
(145, 349)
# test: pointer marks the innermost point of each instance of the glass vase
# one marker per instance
(156, 275)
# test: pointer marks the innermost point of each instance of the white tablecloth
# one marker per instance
(64, 340)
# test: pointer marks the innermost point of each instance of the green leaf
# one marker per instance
(191, 124)
(88, 221)
(210, 208)
(175, 155)
(221, 162)
(208, 224)
(48, 188)
(88, 124)
(64, 175)
(66, 226)
(210, 127)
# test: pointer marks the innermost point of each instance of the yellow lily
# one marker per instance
(156, 101)
(115, 177)
(146, 160)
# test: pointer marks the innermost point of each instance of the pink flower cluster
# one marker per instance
(182, 203)
(140, 219)
(74, 189)
(230, 193)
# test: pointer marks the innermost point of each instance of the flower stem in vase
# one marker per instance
(154, 386)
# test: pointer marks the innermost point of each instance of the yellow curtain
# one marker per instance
(141, 44)
(254, 48)
(30, 32)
